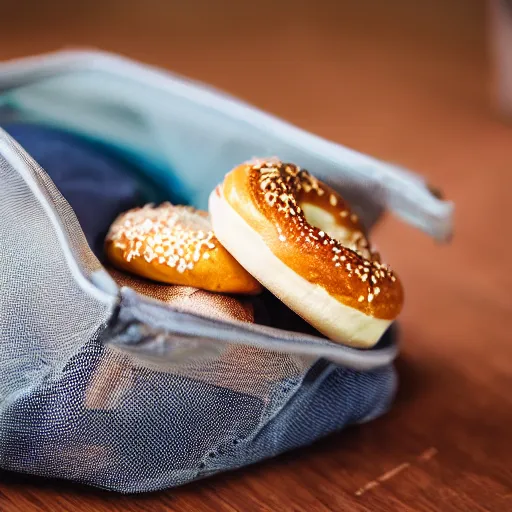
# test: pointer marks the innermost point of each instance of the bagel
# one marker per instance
(175, 245)
(301, 240)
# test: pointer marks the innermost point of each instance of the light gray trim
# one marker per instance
(160, 333)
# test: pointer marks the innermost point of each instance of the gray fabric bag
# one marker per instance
(103, 386)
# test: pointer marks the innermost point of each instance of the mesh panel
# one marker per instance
(45, 315)
(66, 217)
(75, 408)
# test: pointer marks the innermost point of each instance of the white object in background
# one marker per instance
(500, 32)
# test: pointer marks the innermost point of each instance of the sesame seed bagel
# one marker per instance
(175, 245)
(299, 238)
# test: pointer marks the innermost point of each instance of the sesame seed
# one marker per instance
(270, 198)
(333, 200)
(166, 234)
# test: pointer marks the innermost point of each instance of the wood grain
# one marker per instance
(404, 81)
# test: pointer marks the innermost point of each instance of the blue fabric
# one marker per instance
(329, 399)
(98, 183)
(155, 448)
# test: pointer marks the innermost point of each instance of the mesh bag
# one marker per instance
(103, 386)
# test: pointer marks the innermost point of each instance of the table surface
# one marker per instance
(405, 81)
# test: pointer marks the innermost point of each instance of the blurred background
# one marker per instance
(341, 69)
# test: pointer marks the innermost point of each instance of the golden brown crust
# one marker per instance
(269, 196)
(175, 245)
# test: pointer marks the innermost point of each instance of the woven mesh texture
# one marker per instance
(73, 407)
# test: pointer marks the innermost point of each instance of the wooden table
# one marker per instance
(404, 81)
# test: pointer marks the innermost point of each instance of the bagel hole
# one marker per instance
(326, 222)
